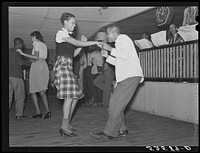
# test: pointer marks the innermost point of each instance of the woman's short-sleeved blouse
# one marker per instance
(41, 48)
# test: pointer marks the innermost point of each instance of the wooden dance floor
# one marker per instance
(144, 129)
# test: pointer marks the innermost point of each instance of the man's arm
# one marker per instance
(21, 61)
(121, 50)
(109, 59)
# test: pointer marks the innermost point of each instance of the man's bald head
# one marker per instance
(113, 29)
(112, 33)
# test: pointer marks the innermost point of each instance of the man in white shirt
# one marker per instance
(128, 74)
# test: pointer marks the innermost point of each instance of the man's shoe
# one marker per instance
(101, 136)
(21, 117)
(123, 133)
(37, 116)
(48, 115)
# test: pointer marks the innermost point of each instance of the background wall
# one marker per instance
(174, 100)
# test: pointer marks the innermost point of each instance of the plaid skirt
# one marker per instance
(65, 80)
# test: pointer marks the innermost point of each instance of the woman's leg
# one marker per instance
(44, 99)
(66, 114)
(74, 102)
(35, 102)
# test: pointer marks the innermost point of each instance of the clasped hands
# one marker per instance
(105, 48)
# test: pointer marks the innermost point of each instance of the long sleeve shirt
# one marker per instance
(15, 63)
(125, 59)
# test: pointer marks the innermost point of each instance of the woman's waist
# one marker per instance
(41, 59)
(65, 55)
(63, 61)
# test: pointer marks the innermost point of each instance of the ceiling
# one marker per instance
(133, 21)
(89, 20)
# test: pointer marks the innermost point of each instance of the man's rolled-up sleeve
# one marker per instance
(111, 60)
(121, 50)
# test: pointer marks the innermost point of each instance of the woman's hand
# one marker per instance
(100, 44)
(19, 51)
(83, 38)
(106, 47)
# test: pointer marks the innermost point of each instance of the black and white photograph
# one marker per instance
(103, 77)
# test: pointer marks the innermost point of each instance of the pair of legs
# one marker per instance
(104, 82)
(16, 86)
(87, 84)
(96, 92)
(68, 109)
(44, 99)
(119, 100)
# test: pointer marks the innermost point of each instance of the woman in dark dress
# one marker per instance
(65, 80)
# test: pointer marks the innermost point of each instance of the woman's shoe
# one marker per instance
(64, 133)
(48, 115)
(73, 129)
(37, 116)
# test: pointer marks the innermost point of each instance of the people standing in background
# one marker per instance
(83, 65)
(174, 37)
(104, 81)
(39, 73)
(16, 83)
(76, 71)
(25, 70)
(97, 68)
(51, 91)
(76, 66)
(65, 80)
(87, 78)
(128, 74)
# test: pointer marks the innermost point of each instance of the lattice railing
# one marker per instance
(178, 62)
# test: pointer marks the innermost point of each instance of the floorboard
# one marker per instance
(144, 129)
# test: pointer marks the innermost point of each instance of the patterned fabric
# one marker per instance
(65, 81)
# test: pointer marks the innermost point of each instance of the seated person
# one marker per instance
(174, 37)
(146, 36)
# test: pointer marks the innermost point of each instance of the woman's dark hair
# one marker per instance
(66, 16)
(37, 35)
